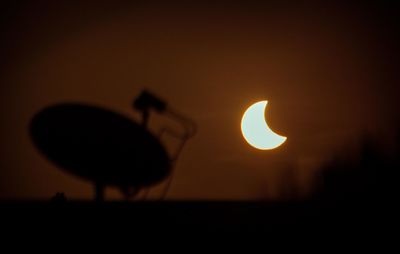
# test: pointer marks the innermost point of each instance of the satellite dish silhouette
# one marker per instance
(104, 147)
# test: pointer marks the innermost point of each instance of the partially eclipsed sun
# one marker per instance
(255, 129)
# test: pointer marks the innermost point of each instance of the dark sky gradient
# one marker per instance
(329, 71)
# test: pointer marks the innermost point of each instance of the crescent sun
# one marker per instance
(255, 129)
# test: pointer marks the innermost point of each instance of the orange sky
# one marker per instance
(327, 71)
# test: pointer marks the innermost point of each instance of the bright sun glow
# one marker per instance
(255, 129)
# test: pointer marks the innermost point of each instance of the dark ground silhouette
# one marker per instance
(356, 195)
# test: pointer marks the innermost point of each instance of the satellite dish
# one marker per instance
(101, 146)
